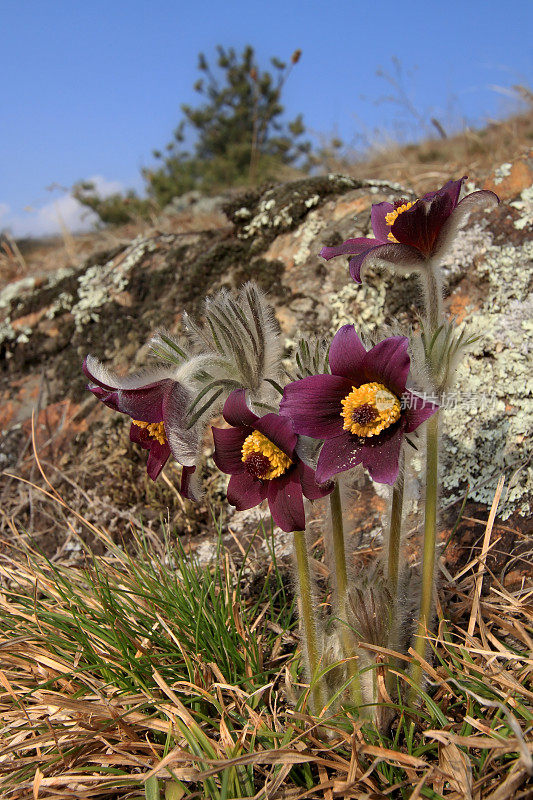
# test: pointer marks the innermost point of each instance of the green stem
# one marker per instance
(310, 633)
(430, 538)
(341, 578)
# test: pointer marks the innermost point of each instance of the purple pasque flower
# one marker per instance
(362, 410)
(157, 405)
(409, 234)
(260, 455)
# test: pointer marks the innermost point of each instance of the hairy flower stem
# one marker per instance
(307, 617)
(341, 579)
(433, 300)
(430, 539)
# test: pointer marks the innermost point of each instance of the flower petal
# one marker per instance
(186, 488)
(228, 449)
(245, 491)
(108, 379)
(388, 363)
(417, 410)
(346, 353)
(459, 217)
(452, 189)
(311, 489)
(110, 399)
(314, 404)
(279, 430)
(286, 503)
(420, 226)
(377, 217)
(236, 412)
(393, 256)
(382, 458)
(339, 454)
(348, 248)
(157, 458)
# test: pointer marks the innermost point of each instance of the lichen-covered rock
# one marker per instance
(110, 305)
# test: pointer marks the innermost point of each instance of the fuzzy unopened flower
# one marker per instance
(362, 410)
(408, 235)
(156, 403)
(260, 455)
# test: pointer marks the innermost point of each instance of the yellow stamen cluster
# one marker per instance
(370, 409)
(256, 442)
(155, 429)
(392, 216)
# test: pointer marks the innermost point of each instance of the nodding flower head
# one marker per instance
(260, 455)
(362, 410)
(408, 234)
(156, 403)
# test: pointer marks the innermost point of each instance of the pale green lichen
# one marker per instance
(100, 283)
(490, 435)
(503, 171)
(364, 303)
(525, 207)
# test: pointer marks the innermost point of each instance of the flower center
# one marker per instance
(156, 430)
(262, 458)
(370, 409)
(392, 216)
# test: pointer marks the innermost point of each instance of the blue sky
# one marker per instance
(90, 89)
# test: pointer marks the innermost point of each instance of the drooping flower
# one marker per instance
(410, 234)
(260, 455)
(362, 410)
(157, 404)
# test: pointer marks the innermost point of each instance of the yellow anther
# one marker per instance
(155, 429)
(392, 216)
(256, 444)
(370, 409)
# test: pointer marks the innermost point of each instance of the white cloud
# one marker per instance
(62, 211)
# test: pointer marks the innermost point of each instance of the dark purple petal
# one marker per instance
(338, 454)
(420, 226)
(279, 430)
(286, 503)
(452, 189)
(382, 457)
(146, 404)
(377, 217)
(392, 255)
(388, 363)
(346, 353)
(185, 487)
(311, 489)
(460, 216)
(245, 491)
(157, 458)
(140, 436)
(314, 404)
(92, 367)
(236, 412)
(228, 449)
(417, 410)
(110, 399)
(348, 248)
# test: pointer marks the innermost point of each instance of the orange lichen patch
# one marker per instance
(264, 459)
(519, 177)
(28, 320)
(370, 409)
(349, 208)
(155, 429)
(55, 426)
